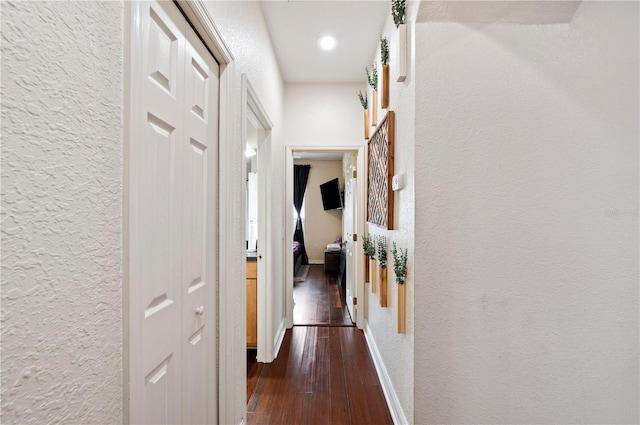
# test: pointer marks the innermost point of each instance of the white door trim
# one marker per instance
(360, 150)
(253, 110)
(199, 17)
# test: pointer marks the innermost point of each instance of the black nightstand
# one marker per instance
(332, 261)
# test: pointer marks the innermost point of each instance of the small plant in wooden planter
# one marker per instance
(384, 58)
(364, 101)
(369, 248)
(381, 243)
(398, 9)
(372, 79)
(400, 270)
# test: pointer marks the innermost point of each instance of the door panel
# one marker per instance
(349, 217)
(173, 218)
(155, 211)
(199, 222)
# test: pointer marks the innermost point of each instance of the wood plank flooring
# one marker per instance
(323, 375)
(317, 300)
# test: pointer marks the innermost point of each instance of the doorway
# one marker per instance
(319, 258)
(256, 138)
(333, 254)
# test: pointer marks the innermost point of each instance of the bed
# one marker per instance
(297, 256)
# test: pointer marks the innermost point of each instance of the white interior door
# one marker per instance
(172, 218)
(199, 222)
(350, 222)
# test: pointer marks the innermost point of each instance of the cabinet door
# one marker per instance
(252, 306)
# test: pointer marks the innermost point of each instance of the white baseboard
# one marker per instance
(316, 261)
(279, 338)
(397, 414)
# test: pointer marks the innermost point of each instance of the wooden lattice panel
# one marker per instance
(380, 172)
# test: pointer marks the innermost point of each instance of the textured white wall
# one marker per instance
(61, 212)
(321, 227)
(397, 350)
(527, 220)
(322, 115)
(243, 28)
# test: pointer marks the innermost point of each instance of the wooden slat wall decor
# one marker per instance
(380, 173)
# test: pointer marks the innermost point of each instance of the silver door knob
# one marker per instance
(200, 311)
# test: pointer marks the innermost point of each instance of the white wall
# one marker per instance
(527, 220)
(397, 350)
(321, 227)
(322, 115)
(243, 28)
(62, 212)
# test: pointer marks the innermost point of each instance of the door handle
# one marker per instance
(200, 311)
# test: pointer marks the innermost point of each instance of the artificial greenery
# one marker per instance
(399, 263)
(384, 50)
(372, 77)
(364, 101)
(397, 11)
(369, 246)
(381, 242)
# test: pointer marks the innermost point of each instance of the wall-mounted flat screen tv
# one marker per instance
(331, 196)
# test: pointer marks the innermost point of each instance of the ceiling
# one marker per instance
(296, 26)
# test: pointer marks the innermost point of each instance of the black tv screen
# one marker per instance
(331, 196)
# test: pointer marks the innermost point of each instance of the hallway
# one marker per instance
(318, 301)
(323, 375)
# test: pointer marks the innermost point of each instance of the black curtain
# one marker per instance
(300, 177)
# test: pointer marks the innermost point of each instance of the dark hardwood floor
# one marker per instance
(317, 300)
(254, 369)
(323, 375)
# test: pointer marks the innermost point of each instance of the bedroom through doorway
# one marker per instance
(319, 249)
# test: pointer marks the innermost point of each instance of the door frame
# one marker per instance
(360, 151)
(253, 110)
(197, 14)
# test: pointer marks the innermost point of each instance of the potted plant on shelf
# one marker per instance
(364, 101)
(381, 243)
(398, 13)
(400, 270)
(372, 79)
(369, 248)
(384, 58)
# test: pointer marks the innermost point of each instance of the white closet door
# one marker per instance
(199, 223)
(173, 217)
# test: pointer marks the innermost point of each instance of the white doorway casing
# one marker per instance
(269, 339)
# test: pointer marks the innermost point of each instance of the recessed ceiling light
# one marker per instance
(327, 42)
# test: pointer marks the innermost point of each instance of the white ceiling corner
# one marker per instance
(296, 26)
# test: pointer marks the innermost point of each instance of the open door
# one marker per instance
(350, 219)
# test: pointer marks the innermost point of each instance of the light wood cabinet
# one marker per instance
(252, 304)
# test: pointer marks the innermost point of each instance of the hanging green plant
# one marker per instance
(372, 77)
(397, 11)
(384, 50)
(399, 264)
(369, 246)
(381, 243)
(364, 101)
